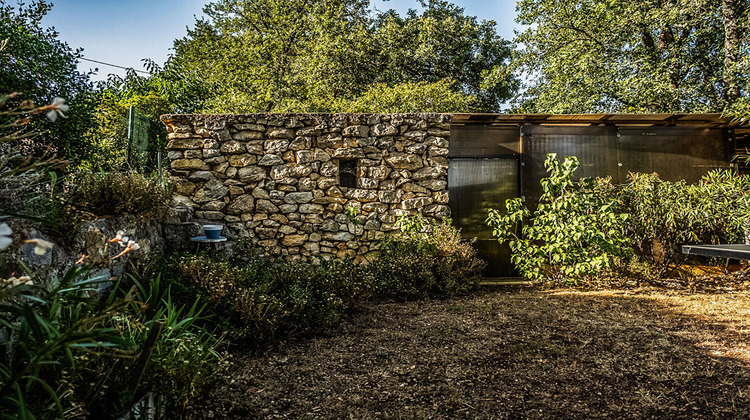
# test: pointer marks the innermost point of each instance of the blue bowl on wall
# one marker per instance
(213, 231)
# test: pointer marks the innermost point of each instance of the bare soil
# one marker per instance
(509, 353)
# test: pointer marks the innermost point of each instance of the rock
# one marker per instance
(211, 190)
(232, 147)
(415, 203)
(325, 183)
(434, 184)
(298, 198)
(288, 208)
(290, 170)
(174, 154)
(305, 156)
(381, 130)
(367, 183)
(436, 141)
(247, 135)
(276, 146)
(293, 240)
(185, 187)
(252, 127)
(438, 132)
(311, 208)
(242, 204)
(348, 153)
(301, 143)
(190, 164)
(361, 195)
(242, 160)
(265, 206)
(338, 236)
(404, 161)
(428, 173)
(372, 224)
(255, 147)
(330, 141)
(388, 196)
(211, 153)
(280, 133)
(321, 155)
(184, 144)
(214, 205)
(356, 131)
(251, 174)
(260, 193)
(271, 160)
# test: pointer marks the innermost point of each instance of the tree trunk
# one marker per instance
(729, 12)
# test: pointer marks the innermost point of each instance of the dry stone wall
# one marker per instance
(311, 185)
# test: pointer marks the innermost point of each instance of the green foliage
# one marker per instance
(180, 368)
(113, 194)
(432, 261)
(665, 215)
(410, 97)
(256, 301)
(632, 56)
(164, 91)
(575, 233)
(41, 67)
(44, 329)
(294, 55)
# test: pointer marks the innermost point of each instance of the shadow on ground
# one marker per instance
(515, 353)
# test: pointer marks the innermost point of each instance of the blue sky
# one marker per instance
(125, 31)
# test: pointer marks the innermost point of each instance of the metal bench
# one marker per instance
(732, 251)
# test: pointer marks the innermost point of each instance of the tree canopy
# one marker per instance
(303, 55)
(633, 56)
(40, 67)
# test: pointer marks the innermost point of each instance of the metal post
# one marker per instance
(131, 129)
(158, 167)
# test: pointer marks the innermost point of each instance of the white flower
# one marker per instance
(5, 239)
(57, 107)
(132, 246)
(119, 238)
(41, 247)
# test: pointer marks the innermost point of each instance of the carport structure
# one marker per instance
(494, 157)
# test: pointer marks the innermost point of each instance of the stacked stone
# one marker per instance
(276, 177)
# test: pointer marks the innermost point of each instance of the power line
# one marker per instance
(113, 65)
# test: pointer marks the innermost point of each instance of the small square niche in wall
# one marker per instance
(348, 173)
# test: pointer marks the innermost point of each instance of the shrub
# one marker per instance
(575, 233)
(256, 300)
(431, 261)
(665, 215)
(181, 365)
(115, 194)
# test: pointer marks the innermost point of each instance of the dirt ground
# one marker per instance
(509, 353)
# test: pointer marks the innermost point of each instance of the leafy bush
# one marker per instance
(576, 231)
(180, 368)
(665, 215)
(257, 300)
(114, 194)
(431, 261)
(43, 329)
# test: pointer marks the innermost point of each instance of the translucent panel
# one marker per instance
(595, 148)
(484, 141)
(674, 153)
(477, 185)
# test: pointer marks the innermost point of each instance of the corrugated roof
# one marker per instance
(692, 120)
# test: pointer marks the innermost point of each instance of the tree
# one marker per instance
(40, 67)
(633, 56)
(304, 55)
(443, 43)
